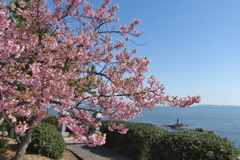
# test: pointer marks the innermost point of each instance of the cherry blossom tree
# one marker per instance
(46, 61)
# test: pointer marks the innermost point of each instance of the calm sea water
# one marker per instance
(223, 120)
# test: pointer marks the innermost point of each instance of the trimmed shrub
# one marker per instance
(192, 145)
(135, 143)
(147, 142)
(47, 141)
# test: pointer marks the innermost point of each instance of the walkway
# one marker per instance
(92, 153)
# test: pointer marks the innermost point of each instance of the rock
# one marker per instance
(199, 129)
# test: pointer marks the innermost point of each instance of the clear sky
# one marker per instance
(193, 45)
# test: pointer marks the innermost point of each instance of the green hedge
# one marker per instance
(147, 142)
(47, 141)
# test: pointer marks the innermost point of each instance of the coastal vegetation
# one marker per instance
(47, 141)
(142, 141)
(146, 141)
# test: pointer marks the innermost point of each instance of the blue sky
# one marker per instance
(193, 45)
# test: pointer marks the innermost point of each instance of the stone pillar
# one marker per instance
(98, 116)
(178, 121)
(63, 130)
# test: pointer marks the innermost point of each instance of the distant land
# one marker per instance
(206, 105)
(211, 105)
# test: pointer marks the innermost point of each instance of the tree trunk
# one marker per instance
(24, 143)
(1, 118)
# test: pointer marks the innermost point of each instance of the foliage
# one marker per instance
(145, 141)
(5, 126)
(52, 120)
(47, 141)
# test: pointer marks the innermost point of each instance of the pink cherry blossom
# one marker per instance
(22, 4)
(122, 129)
(21, 127)
(96, 139)
(48, 63)
(12, 118)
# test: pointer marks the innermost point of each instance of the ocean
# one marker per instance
(223, 120)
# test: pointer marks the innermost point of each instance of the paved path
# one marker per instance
(92, 153)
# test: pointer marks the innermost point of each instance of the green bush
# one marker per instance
(4, 126)
(192, 145)
(147, 142)
(7, 127)
(52, 120)
(47, 141)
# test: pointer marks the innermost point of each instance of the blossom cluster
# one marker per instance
(96, 139)
(21, 127)
(122, 129)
